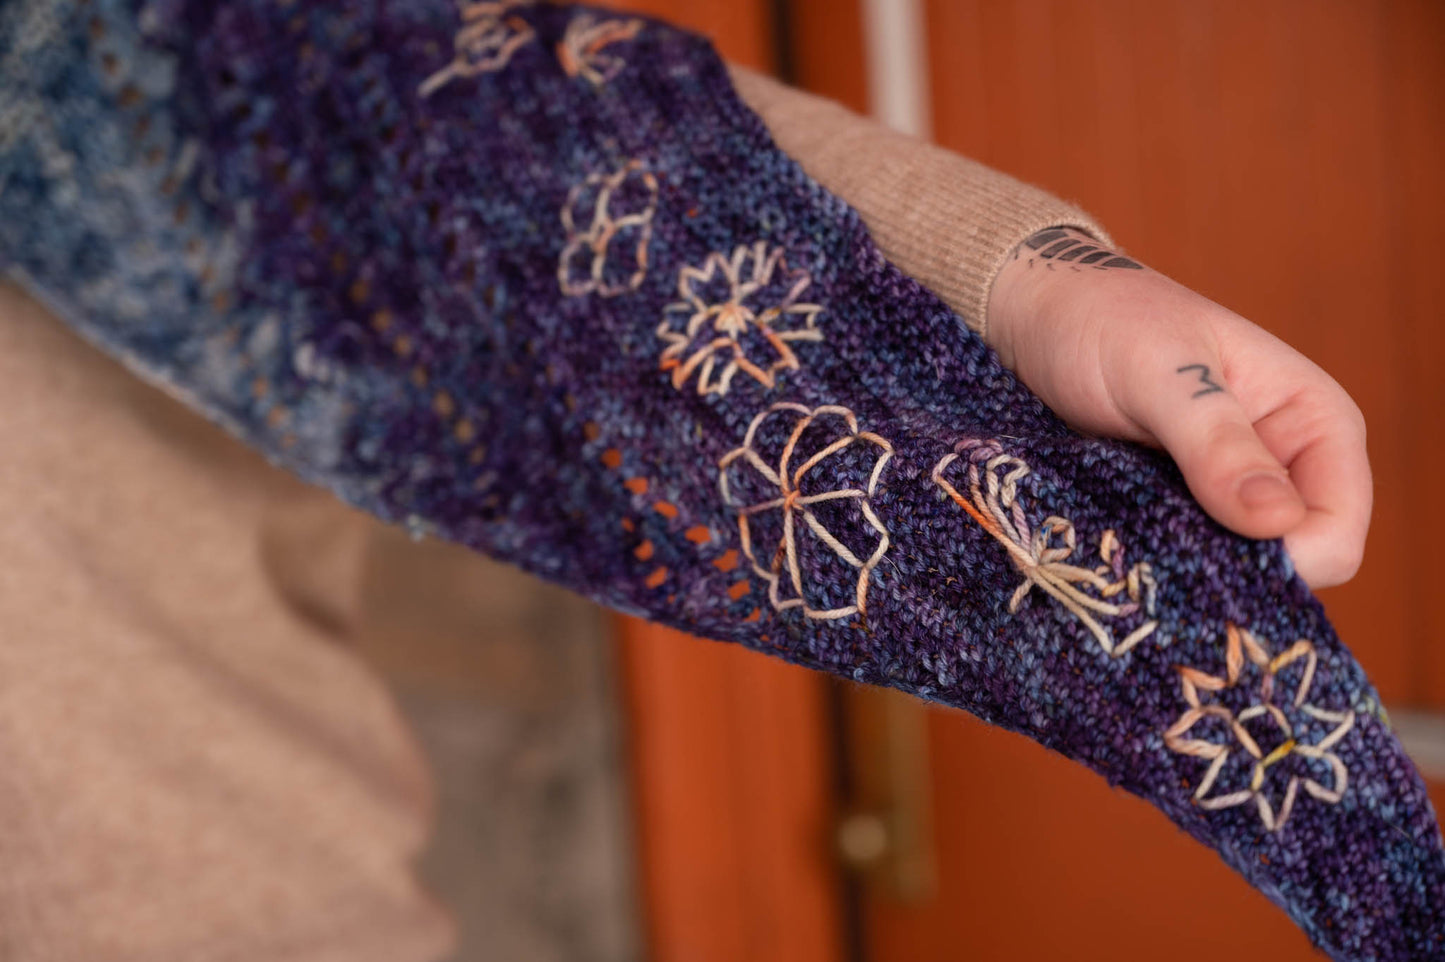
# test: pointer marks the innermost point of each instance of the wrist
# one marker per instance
(1044, 265)
(1008, 299)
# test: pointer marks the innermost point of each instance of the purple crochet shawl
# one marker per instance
(531, 278)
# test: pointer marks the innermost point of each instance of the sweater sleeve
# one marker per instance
(532, 278)
(948, 221)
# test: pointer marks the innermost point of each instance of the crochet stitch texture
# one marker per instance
(530, 277)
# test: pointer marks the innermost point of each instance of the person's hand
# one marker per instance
(1270, 445)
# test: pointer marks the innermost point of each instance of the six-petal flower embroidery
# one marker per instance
(608, 219)
(738, 313)
(1281, 721)
(779, 476)
(580, 49)
(993, 501)
(489, 36)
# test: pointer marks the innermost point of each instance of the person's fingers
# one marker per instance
(1322, 441)
(1183, 401)
(1269, 445)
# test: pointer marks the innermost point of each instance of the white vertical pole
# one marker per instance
(897, 56)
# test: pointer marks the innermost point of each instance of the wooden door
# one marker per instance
(1280, 157)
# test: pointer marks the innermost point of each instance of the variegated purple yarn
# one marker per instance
(531, 278)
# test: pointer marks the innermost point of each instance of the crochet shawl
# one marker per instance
(531, 278)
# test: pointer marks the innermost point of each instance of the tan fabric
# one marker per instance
(947, 221)
(191, 766)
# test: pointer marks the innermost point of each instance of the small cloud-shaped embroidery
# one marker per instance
(489, 36)
(1273, 734)
(580, 49)
(1108, 590)
(802, 483)
(738, 313)
(608, 220)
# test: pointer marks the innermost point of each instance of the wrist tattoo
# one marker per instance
(1209, 386)
(1058, 245)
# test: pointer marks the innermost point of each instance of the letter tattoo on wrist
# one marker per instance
(1209, 386)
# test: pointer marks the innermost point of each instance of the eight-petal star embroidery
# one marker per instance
(737, 313)
(1282, 717)
(801, 484)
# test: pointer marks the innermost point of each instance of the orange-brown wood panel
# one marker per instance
(826, 42)
(730, 751)
(742, 30)
(1415, 189)
(733, 798)
(1039, 859)
(1415, 143)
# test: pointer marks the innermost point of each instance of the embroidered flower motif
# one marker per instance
(801, 484)
(1270, 718)
(608, 216)
(485, 43)
(737, 313)
(580, 49)
(1042, 554)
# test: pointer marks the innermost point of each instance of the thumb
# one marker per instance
(1189, 408)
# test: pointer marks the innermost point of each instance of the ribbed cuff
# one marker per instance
(947, 221)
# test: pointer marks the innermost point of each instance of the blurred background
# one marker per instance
(614, 791)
